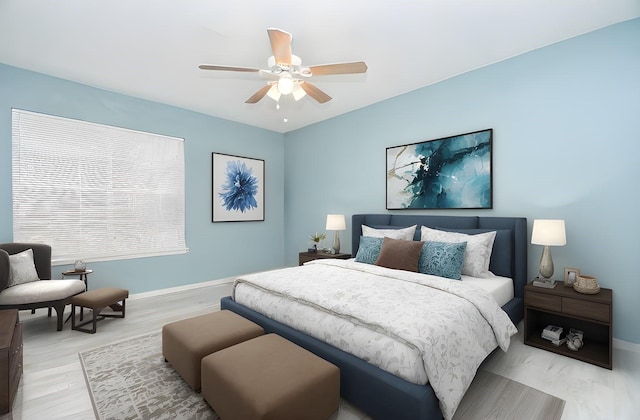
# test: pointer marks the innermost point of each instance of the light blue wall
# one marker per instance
(217, 250)
(566, 145)
(566, 122)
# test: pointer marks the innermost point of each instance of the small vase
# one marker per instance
(79, 265)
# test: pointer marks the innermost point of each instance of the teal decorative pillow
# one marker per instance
(442, 259)
(479, 247)
(369, 250)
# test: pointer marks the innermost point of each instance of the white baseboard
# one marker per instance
(218, 282)
(625, 345)
(158, 292)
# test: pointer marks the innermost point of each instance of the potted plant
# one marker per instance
(316, 238)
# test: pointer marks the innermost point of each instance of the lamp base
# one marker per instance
(336, 243)
(546, 263)
(545, 283)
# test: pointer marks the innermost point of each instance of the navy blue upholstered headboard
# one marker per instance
(509, 256)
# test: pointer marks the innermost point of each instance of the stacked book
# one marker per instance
(553, 333)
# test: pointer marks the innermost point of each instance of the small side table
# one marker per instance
(83, 276)
(304, 257)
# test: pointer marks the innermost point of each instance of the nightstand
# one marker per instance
(566, 308)
(304, 257)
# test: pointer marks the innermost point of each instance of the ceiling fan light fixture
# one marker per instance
(285, 84)
(274, 93)
(297, 92)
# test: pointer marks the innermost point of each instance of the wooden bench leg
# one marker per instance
(96, 316)
(94, 319)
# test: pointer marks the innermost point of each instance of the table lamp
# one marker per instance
(336, 222)
(547, 233)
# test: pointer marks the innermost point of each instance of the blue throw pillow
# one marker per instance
(369, 249)
(502, 252)
(442, 259)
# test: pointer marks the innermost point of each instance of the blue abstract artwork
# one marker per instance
(238, 188)
(447, 173)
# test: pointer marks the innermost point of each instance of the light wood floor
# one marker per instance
(53, 384)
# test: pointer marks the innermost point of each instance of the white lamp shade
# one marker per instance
(548, 232)
(336, 222)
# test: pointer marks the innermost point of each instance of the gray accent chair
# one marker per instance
(44, 293)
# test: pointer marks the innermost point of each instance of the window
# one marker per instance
(95, 192)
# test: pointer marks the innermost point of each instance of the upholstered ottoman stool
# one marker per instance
(271, 378)
(186, 342)
(97, 300)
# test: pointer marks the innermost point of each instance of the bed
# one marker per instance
(377, 392)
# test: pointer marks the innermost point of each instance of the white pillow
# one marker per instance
(477, 256)
(404, 233)
(23, 270)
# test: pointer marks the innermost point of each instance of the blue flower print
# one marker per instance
(239, 191)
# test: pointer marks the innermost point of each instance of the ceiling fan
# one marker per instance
(289, 73)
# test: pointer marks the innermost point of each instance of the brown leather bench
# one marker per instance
(269, 377)
(97, 300)
(186, 342)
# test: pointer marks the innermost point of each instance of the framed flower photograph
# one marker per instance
(447, 173)
(237, 188)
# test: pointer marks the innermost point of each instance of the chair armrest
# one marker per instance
(4, 269)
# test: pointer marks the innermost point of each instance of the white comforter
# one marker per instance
(452, 326)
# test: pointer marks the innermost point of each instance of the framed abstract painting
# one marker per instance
(448, 173)
(237, 188)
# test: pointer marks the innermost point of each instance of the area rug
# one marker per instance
(131, 380)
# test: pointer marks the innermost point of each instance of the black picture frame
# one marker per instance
(447, 173)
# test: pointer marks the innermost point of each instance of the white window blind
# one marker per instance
(96, 192)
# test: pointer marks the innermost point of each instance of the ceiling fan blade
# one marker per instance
(281, 46)
(340, 68)
(314, 92)
(228, 68)
(258, 95)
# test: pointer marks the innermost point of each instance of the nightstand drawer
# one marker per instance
(544, 301)
(584, 309)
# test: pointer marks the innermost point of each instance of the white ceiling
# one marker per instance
(152, 48)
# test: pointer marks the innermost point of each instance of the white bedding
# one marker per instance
(387, 317)
(500, 288)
